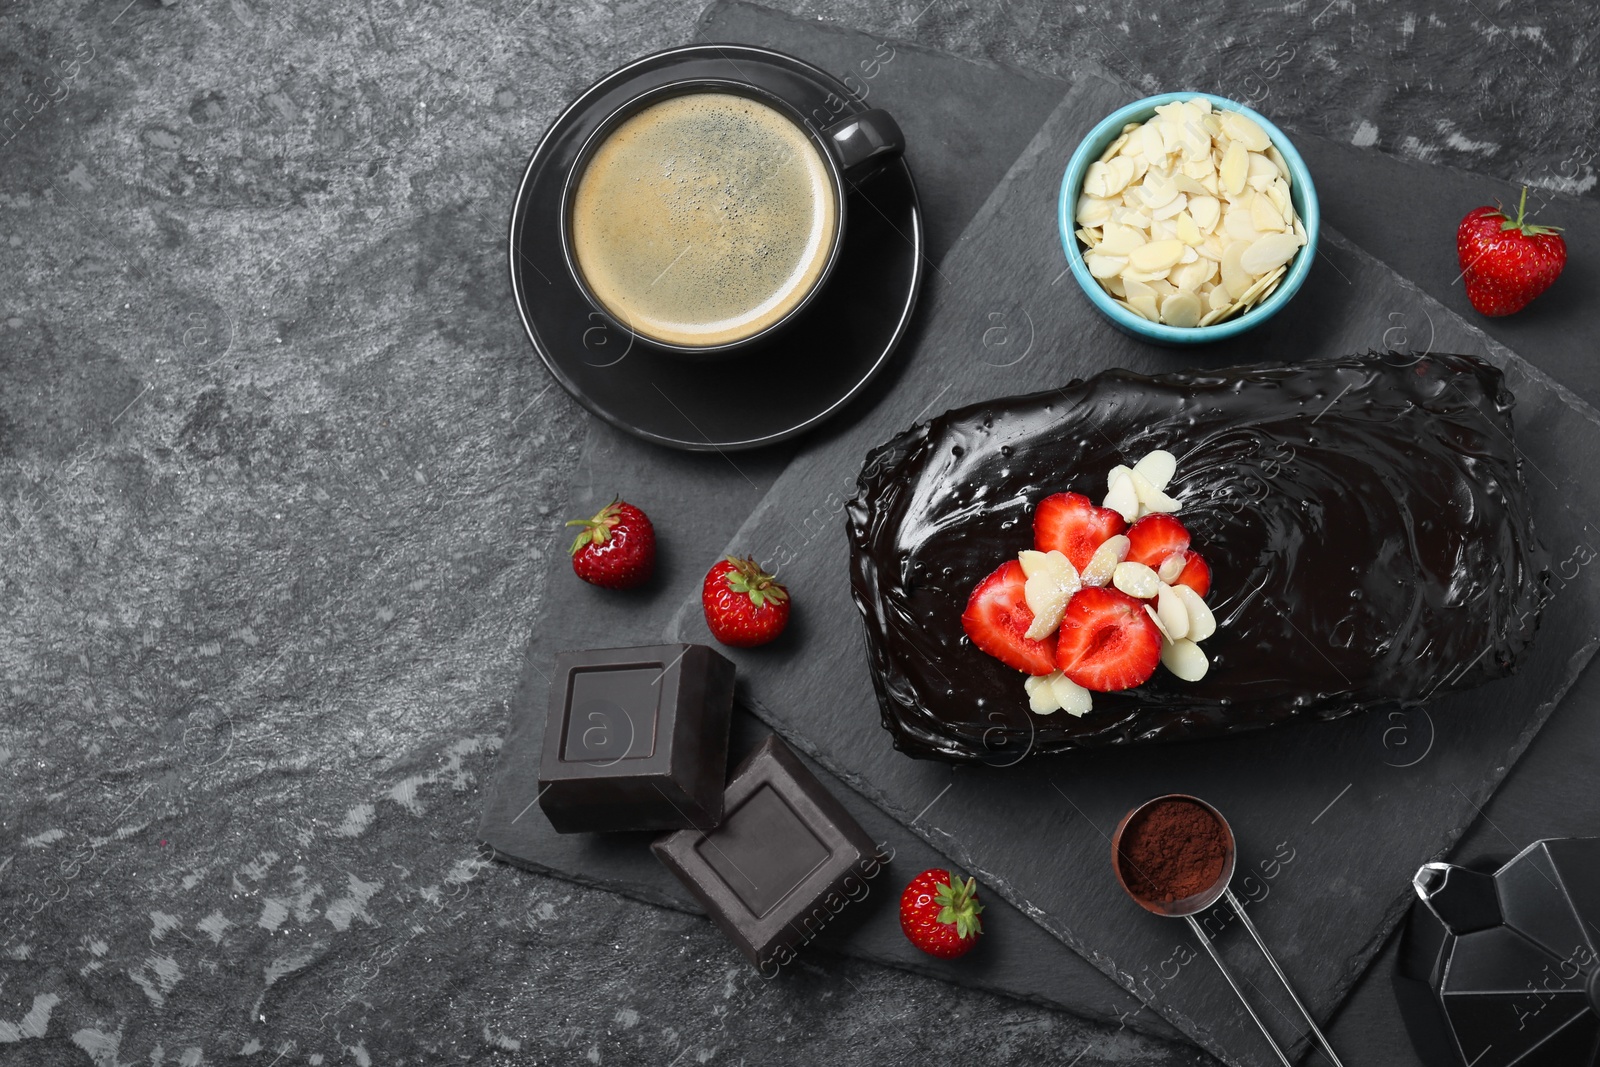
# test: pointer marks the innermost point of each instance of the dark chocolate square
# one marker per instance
(636, 739)
(786, 859)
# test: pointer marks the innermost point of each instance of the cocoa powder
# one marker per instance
(1172, 851)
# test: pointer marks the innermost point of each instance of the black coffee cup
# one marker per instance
(848, 150)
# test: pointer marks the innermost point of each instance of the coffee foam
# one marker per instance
(703, 219)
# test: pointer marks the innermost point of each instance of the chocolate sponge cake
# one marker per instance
(1365, 520)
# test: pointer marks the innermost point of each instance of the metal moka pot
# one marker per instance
(1503, 969)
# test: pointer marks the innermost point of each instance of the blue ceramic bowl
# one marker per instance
(1302, 193)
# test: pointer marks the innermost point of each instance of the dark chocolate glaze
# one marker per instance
(1365, 520)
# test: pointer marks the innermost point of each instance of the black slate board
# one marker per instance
(952, 185)
(1329, 828)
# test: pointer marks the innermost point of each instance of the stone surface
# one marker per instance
(275, 468)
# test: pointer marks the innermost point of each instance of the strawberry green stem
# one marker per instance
(596, 531)
(958, 904)
(1527, 229)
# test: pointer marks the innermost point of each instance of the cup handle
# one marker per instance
(864, 142)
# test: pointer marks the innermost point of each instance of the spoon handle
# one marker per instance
(1211, 950)
(1238, 910)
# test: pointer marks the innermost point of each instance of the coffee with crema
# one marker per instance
(703, 219)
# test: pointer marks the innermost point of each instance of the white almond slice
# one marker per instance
(1189, 255)
(1136, 579)
(1220, 299)
(1157, 255)
(1139, 311)
(1215, 315)
(1042, 699)
(1262, 167)
(1206, 211)
(1196, 141)
(1150, 141)
(1104, 266)
(1122, 170)
(1097, 180)
(1259, 182)
(1300, 232)
(1139, 220)
(1188, 232)
(1161, 287)
(1278, 193)
(1094, 211)
(1171, 611)
(1122, 497)
(1199, 169)
(1103, 563)
(1234, 276)
(1237, 225)
(1136, 288)
(1120, 470)
(1146, 278)
(1172, 566)
(1073, 698)
(1157, 467)
(1213, 124)
(1155, 618)
(1192, 276)
(1265, 216)
(1114, 147)
(1171, 210)
(1184, 659)
(1114, 287)
(1032, 561)
(1232, 172)
(1118, 240)
(1262, 285)
(1047, 592)
(1278, 161)
(1172, 134)
(1146, 306)
(1182, 309)
(1200, 104)
(1163, 230)
(1246, 131)
(1151, 499)
(1155, 191)
(1188, 185)
(1267, 252)
(1088, 235)
(1202, 624)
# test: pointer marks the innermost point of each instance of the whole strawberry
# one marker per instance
(939, 914)
(615, 549)
(744, 606)
(1507, 262)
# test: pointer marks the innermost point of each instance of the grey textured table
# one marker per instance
(275, 463)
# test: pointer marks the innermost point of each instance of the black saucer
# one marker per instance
(757, 396)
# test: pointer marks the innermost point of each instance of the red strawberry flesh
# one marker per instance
(1071, 524)
(1155, 537)
(998, 616)
(1107, 641)
(1196, 574)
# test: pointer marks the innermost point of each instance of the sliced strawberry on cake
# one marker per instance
(1107, 641)
(997, 621)
(1072, 524)
(1196, 574)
